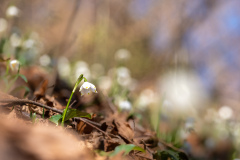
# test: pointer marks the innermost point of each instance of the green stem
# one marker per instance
(11, 83)
(69, 100)
(7, 69)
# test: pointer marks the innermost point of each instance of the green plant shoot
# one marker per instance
(69, 100)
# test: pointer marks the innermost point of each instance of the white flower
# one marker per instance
(45, 60)
(63, 66)
(14, 65)
(183, 89)
(123, 76)
(147, 97)
(12, 11)
(86, 88)
(122, 55)
(225, 112)
(15, 40)
(29, 43)
(81, 67)
(125, 105)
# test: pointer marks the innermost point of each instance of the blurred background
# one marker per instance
(177, 61)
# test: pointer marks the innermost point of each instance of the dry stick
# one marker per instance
(25, 101)
(110, 104)
(84, 120)
(171, 146)
(143, 156)
(72, 103)
(145, 145)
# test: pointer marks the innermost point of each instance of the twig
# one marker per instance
(171, 146)
(143, 156)
(72, 103)
(25, 101)
(145, 146)
(84, 120)
(110, 104)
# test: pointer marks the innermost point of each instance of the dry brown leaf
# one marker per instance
(82, 127)
(124, 130)
(38, 142)
(111, 144)
(40, 92)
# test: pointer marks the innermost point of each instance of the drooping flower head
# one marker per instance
(14, 65)
(12, 11)
(86, 88)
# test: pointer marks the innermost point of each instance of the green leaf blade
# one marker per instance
(71, 113)
(56, 118)
(166, 154)
(126, 148)
(23, 77)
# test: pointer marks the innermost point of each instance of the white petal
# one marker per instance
(14, 64)
(93, 88)
(84, 91)
(86, 85)
(80, 89)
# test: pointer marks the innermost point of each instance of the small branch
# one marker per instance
(25, 101)
(143, 156)
(84, 120)
(145, 146)
(110, 104)
(171, 146)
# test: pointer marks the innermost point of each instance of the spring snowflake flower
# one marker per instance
(125, 105)
(14, 65)
(12, 11)
(86, 88)
(122, 55)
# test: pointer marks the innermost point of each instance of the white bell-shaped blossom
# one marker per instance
(12, 11)
(15, 40)
(86, 88)
(45, 60)
(125, 105)
(122, 55)
(29, 43)
(63, 66)
(225, 112)
(14, 65)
